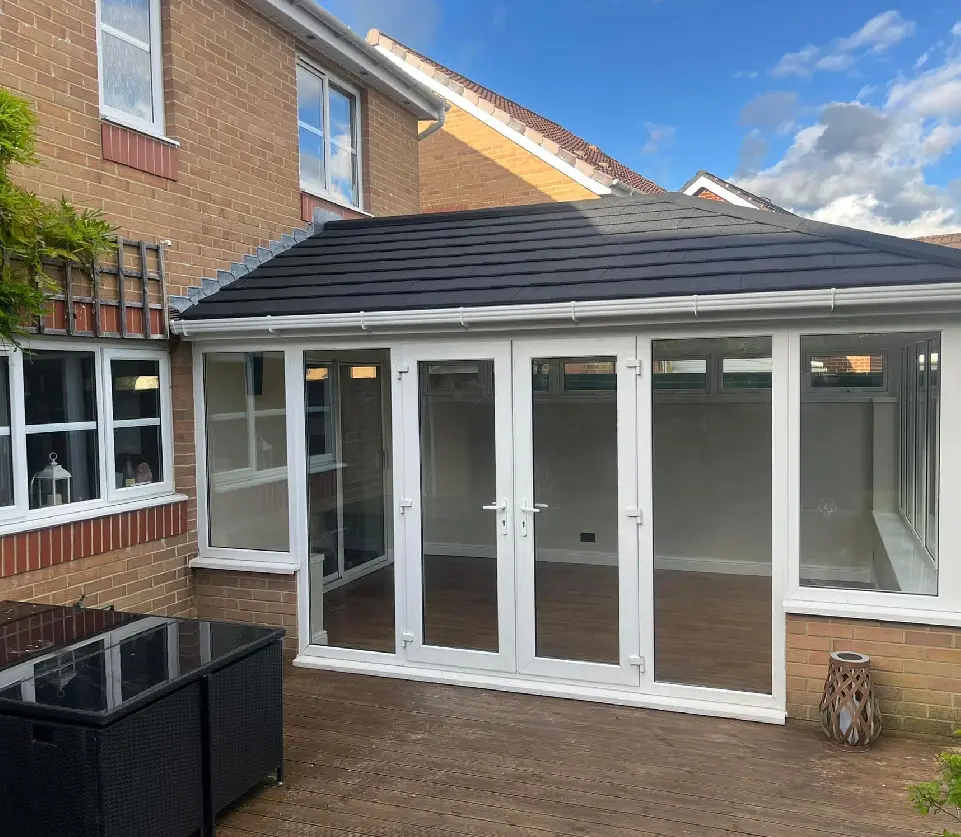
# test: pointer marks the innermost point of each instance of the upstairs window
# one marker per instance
(130, 63)
(329, 136)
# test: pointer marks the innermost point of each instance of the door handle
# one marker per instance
(501, 506)
(532, 509)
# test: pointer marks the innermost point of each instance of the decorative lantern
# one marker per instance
(849, 710)
(51, 486)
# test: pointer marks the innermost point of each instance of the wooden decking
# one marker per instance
(383, 758)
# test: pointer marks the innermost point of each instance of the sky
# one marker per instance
(845, 111)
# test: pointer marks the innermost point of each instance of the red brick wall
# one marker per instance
(707, 194)
(249, 597)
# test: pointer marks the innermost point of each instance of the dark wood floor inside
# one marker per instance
(710, 629)
(375, 757)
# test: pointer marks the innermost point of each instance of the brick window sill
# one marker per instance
(37, 544)
(146, 153)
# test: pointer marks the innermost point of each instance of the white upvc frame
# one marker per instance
(417, 650)
(322, 190)
(627, 512)
(156, 126)
(19, 516)
(943, 608)
(731, 702)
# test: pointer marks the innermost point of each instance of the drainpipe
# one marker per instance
(435, 126)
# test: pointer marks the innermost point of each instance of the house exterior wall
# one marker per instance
(707, 194)
(468, 165)
(947, 240)
(916, 669)
(230, 186)
(249, 597)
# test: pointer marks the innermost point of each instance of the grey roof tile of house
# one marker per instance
(613, 248)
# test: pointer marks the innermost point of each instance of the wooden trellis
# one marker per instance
(125, 297)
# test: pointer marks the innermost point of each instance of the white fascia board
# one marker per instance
(823, 301)
(706, 183)
(319, 31)
(491, 121)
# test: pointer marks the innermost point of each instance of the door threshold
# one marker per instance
(572, 691)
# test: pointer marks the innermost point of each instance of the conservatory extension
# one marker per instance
(596, 450)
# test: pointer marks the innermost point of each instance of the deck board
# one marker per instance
(376, 757)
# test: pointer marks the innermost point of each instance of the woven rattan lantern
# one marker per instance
(849, 710)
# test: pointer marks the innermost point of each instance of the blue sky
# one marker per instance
(847, 111)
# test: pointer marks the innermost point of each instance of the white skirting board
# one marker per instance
(716, 702)
(677, 563)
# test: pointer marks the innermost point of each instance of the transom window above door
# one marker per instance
(328, 123)
(129, 53)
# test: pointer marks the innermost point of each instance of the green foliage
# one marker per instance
(942, 795)
(32, 230)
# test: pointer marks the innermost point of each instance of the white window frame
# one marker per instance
(322, 190)
(156, 126)
(19, 516)
(944, 608)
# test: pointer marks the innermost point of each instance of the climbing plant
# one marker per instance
(32, 230)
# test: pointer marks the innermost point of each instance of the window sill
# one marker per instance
(21, 525)
(895, 613)
(132, 125)
(134, 148)
(247, 565)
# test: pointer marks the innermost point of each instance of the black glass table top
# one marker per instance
(99, 662)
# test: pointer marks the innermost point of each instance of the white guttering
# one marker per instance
(824, 300)
(320, 31)
(492, 121)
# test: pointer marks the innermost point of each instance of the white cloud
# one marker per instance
(658, 137)
(923, 59)
(877, 35)
(956, 29)
(774, 110)
(865, 166)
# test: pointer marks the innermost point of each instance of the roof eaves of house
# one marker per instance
(529, 138)
(318, 31)
(931, 273)
(730, 192)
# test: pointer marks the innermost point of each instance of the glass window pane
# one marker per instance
(63, 467)
(746, 372)
(59, 387)
(137, 456)
(311, 159)
(6, 451)
(132, 17)
(863, 467)
(575, 531)
(245, 402)
(310, 99)
(349, 508)
(934, 439)
(458, 477)
(342, 117)
(343, 174)
(126, 77)
(847, 371)
(680, 373)
(136, 389)
(343, 153)
(712, 473)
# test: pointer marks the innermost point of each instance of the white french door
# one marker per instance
(576, 509)
(458, 504)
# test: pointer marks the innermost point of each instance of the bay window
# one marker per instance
(328, 121)
(130, 63)
(81, 429)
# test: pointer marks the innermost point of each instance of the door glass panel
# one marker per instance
(575, 528)
(712, 516)
(458, 478)
(348, 501)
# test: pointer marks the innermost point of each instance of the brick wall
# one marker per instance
(230, 97)
(707, 194)
(916, 669)
(232, 185)
(153, 578)
(249, 597)
(469, 165)
(948, 240)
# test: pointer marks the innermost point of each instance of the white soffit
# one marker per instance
(712, 186)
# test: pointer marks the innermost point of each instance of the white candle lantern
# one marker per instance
(51, 486)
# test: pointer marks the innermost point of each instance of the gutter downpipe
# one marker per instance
(435, 126)
(826, 300)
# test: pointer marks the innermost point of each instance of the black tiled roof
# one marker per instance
(611, 248)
